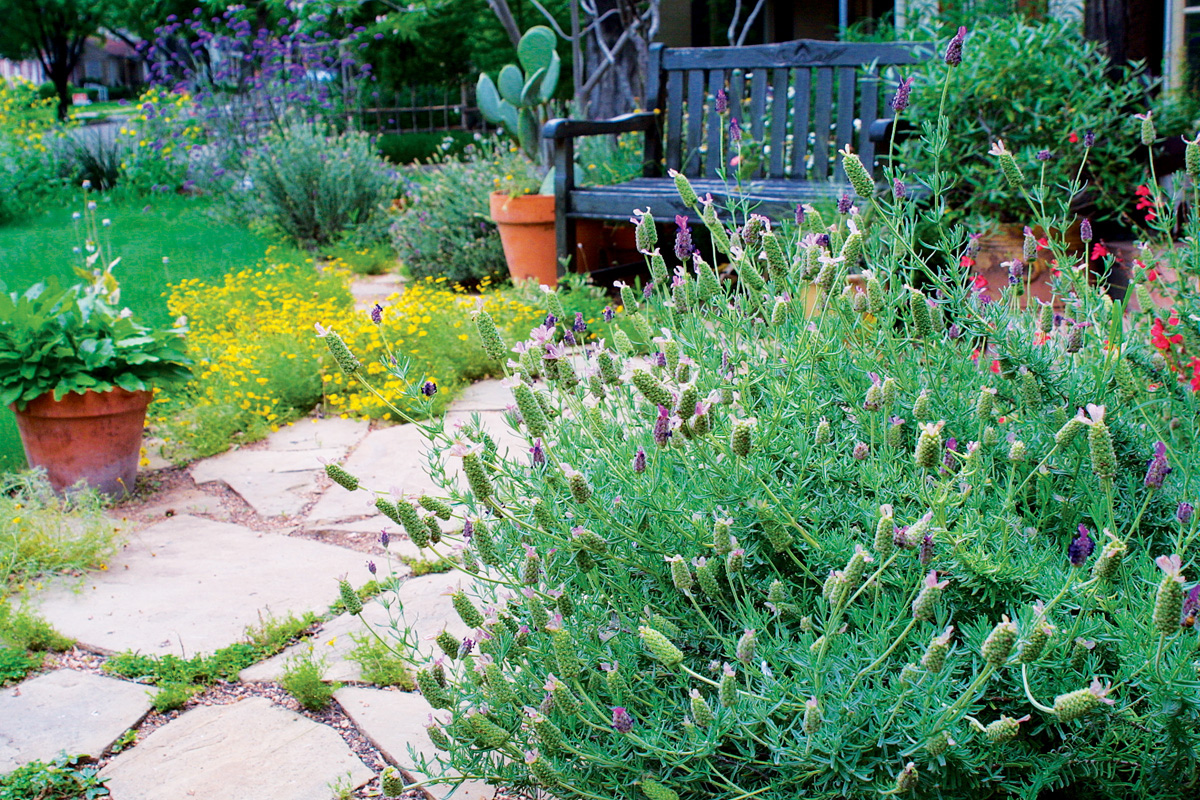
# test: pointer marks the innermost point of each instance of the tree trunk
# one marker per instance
(622, 86)
(62, 85)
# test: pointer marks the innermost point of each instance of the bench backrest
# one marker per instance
(800, 99)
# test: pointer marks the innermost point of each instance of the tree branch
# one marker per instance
(507, 21)
(749, 21)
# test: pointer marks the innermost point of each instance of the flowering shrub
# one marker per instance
(158, 141)
(841, 535)
(444, 227)
(35, 158)
(317, 187)
(1038, 108)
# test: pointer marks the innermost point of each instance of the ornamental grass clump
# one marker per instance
(794, 600)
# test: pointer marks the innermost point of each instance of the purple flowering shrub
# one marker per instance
(842, 527)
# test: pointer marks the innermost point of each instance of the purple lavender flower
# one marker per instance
(683, 239)
(1044, 155)
(1081, 547)
(660, 359)
(1157, 467)
(550, 322)
(1016, 270)
(648, 290)
(900, 101)
(899, 190)
(621, 721)
(799, 214)
(1191, 607)
(639, 461)
(1184, 513)
(468, 530)
(538, 454)
(925, 554)
(722, 101)
(429, 389)
(609, 314)
(954, 50)
(384, 538)
(662, 427)
(949, 459)
(465, 647)
(569, 338)
(735, 130)
(861, 451)
(823, 240)
(954, 331)
(580, 326)
(844, 204)
(1085, 230)
(1089, 139)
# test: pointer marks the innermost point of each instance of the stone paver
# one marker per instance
(185, 501)
(280, 479)
(274, 482)
(483, 396)
(371, 289)
(426, 608)
(78, 712)
(249, 749)
(394, 721)
(193, 585)
(388, 458)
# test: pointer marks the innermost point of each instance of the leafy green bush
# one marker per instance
(839, 536)
(15, 664)
(317, 187)
(444, 227)
(61, 779)
(25, 630)
(302, 678)
(1045, 104)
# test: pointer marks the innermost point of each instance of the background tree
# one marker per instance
(54, 32)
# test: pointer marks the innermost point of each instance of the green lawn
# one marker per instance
(187, 231)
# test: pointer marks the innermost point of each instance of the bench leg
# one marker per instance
(564, 183)
(564, 230)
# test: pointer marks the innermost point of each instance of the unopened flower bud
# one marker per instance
(489, 336)
(660, 647)
(999, 643)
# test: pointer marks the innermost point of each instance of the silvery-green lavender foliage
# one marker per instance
(316, 186)
(792, 539)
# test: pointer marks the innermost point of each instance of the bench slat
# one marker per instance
(674, 118)
(868, 111)
(737, 93)
(779, 107)
(845, 117)
(712, 159)
(800, 112)
(758, 104)
(776, 199)
(789, 54)
(821, 122)
(695, 122)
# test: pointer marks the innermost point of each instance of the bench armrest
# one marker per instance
(881, 130)
(570, 128)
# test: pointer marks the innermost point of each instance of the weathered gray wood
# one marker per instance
(845, 116)
(758, 103)
(779, 107)
(789, 54)
(695, 122)
(822, 119)
(652, 160)
(674, 118)
(716, 125)
(868, 112)
(737, 92)
(801, 103)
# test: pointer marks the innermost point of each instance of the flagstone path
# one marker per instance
(251, 533)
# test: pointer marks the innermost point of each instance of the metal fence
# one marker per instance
(420, 108)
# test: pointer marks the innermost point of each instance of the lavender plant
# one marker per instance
(842, 533)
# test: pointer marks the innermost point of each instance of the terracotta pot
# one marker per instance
(526, 225)
(95, 437)
(1008, 242)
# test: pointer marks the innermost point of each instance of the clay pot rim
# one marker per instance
(89, 403)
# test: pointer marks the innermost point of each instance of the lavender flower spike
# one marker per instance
(900, 100)
(1081, 547)
(954, 49)
(1157, 468)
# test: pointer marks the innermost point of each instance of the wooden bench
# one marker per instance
(802, 100)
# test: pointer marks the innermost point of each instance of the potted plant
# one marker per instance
(518, 100)
(78, 371)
